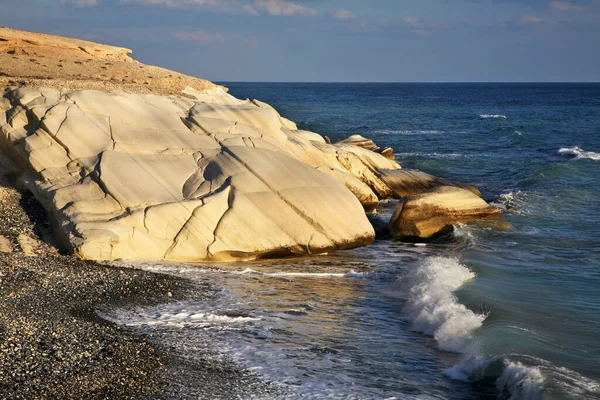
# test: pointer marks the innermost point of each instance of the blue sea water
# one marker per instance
(494, 314)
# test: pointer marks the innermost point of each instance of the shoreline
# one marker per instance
(53, 344)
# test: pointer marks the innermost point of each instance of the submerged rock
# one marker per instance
(406, 182)
(426, 215)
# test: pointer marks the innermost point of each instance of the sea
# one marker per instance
(486, 314)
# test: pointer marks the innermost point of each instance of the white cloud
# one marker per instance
(533, 20)
(220, 5)
(421, 28)
(80, 3)
(283, 8)
(250, 7)
(565, 6)
(415, 22)
(422, 32)
(343, 15)
(207, 38)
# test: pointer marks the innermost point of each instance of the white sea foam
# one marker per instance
(492, 116)
(175, 315)
(407, 132)
(515, 379)
(464, 232)
(179, 270)
(349, 274)
(468, 369)
(575, 384)
(432, 307)
(514, 201)
(520, 381)
(577, 153)
(525, 378)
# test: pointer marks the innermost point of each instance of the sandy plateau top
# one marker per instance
(35, 59)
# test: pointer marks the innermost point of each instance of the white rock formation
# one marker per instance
(406, 182)
(428, 214)
(131, 176)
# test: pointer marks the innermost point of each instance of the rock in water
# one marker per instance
(406, 182)
(159, 165)
(130, 176)
(425, 215)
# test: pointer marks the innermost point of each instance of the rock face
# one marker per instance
(406, 182)
(425, 215)
(361, 141)
(140, 176)
(39, 60)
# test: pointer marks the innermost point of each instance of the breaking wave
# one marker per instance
(513, 379)
(520, 381)
(577, 153)
(432, 307)
(514, 202)
(492, 116)
(525, 378)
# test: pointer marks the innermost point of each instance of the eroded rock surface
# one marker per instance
(365, 143)
(425, 215)
(40, 60)
(140, 176)
(406, 182)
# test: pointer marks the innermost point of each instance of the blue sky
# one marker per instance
(337, 40)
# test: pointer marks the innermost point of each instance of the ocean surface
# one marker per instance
(489, 315)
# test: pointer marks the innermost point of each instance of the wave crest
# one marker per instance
(514, 379)
(492, 116)
(577, 153)
(432, 306)
(520, 381)
(515, 202)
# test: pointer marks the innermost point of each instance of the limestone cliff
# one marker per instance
(174, 167)
(36, 59)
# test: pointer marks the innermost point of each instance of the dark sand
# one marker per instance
(53, 345)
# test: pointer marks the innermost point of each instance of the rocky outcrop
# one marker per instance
(139, 176)
(426, 215)
(361, 141)
(138, 162)
(406, 182)
(39, 60)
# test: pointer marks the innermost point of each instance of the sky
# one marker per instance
(337, 40)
